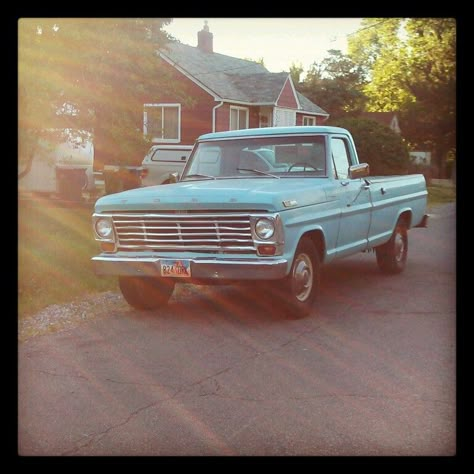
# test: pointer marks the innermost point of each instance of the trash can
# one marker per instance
(70, 183)
(131, 177)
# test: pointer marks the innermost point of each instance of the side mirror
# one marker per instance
(359, 171)
(173, 178)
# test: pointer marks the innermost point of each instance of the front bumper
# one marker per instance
(205, 268)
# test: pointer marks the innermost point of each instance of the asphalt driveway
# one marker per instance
(373, 372)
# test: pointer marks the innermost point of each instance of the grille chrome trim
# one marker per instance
(222, 233)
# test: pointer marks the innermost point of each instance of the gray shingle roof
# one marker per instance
(309, 106)
(259, 88)
(232, 78)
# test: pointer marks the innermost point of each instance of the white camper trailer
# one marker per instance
(65, 170)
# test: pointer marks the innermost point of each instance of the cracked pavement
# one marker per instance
(218, 372)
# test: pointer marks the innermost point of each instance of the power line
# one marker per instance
(370, 26)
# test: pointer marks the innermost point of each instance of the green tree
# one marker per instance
(430, 118)
(335, 84)
(87, 75)
(411, 67)
(295, 72)
(380, 147)
(371, 41)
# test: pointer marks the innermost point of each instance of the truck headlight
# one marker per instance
(103, 228)
(264, 228)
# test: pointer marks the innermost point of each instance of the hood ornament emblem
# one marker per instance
(290, 203)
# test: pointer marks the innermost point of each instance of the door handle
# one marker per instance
(344, 183)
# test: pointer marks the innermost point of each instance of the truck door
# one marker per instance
(354, 200)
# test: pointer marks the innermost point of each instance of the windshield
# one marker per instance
(272, 157)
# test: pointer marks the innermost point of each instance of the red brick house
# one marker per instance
(227, 93)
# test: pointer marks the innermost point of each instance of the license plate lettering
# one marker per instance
(176, 268)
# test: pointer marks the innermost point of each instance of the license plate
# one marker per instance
(176, 268)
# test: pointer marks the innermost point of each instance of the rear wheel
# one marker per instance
(392, 256)
(146, 293)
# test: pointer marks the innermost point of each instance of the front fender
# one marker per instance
(293, 235)
(321, 221)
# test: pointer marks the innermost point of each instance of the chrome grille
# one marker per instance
(184, 232)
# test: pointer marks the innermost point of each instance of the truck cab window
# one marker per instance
(340, 158)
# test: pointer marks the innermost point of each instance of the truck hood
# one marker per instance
(250, 194)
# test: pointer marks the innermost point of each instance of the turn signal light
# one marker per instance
(266, 249)
(107, 246)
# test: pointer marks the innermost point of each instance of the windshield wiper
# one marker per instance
(259, 172)
(197, 175)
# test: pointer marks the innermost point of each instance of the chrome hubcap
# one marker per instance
(303, 277)
(399, 247)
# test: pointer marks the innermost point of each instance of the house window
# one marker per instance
(162, 122)
(309, 120)
(239, 118)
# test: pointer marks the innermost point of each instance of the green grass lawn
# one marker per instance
(55, 245)
(440, 195)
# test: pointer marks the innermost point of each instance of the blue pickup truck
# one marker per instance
(267, 205)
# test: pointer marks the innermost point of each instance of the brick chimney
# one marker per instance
(205, 39)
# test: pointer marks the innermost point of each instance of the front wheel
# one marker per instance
(303, 283)
(146, 293)
(392, 256)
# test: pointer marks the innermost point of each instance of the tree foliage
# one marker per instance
(380, 147)
(295, 72)
(374, 39)
(335, 84)
(411, 67)
(88, 75)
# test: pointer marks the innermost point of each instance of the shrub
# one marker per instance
(377, 145)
